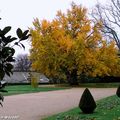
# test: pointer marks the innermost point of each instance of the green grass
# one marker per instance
(100, 85)
(22, 89)
(107, 109)
(93, 85)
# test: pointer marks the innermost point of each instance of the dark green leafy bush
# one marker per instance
(87, 103)
(118, 91)
(7, 51)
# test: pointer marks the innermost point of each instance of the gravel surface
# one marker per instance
(35, 106)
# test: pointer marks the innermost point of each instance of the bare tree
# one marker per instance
(109, 16)
(22, 63)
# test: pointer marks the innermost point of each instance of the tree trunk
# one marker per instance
(72, 77)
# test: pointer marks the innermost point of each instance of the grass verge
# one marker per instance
(93, 85)
(107, 109)
(22, 89)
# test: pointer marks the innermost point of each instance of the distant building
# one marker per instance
(24, 77)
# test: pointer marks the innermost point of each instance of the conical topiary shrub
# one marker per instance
(87, 103)
(118, 91)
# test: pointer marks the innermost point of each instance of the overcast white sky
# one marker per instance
(20, 13)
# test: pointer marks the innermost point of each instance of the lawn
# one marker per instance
(93, 85)
(107, 109)
(21, 89)
(99, 85)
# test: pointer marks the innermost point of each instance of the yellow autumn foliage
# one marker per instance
(70, 43)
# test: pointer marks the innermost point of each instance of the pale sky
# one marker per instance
(20, 13)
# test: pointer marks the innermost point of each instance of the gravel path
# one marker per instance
(37, 105)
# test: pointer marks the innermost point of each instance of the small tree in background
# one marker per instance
(7, 51)
(87, 103)
(22, 63)
(34, 82)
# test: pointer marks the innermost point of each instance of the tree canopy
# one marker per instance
(71, 45)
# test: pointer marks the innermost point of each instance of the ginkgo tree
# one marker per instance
(71, 45)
